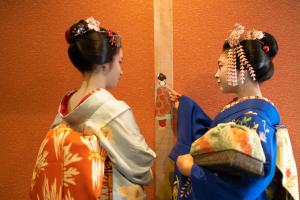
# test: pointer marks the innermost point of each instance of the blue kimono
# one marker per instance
(256, 113)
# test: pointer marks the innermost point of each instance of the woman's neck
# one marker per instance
(250, 88)
(92, 81)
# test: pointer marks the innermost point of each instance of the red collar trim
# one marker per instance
(64, 103)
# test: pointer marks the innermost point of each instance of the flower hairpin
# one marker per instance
(114, 39)
(111, 36)
(85, 26)
(91, 24)
(80, 29)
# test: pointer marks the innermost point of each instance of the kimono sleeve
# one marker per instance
(192, 122)
(128, 149)
(208, 185)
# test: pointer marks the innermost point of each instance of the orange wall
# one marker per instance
(35, 72)
(200, 28)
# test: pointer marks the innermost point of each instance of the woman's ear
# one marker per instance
(103, 68)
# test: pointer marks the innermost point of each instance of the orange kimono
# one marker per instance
(93, 152)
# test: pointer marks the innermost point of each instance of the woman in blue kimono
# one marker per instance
(246, 61)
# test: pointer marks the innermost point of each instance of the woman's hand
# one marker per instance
(185, 164)
(174, 98)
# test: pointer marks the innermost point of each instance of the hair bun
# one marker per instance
(270, 45)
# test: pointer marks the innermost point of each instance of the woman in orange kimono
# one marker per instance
(94, 149)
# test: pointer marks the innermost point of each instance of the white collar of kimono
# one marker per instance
(87, 108)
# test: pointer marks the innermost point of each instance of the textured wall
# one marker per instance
(35, 73)
(200, 28)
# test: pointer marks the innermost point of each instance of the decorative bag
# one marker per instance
(231, 149)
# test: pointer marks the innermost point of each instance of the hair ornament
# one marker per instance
(266, 48)
(115, 40)
(93, 24)
(237, 35)
(88, 25)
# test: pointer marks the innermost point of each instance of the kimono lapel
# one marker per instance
(87, 108)
(265, 108)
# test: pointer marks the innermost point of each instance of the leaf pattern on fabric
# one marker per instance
(175, 188)
(68, 159)
(41, 162)
(185, 189)
(68, 156)
(51, 192)
(68, 196)
(182, 188)
(97, 155)
(60, 133)
(246, 121)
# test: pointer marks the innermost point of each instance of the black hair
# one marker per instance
(90, 48)
(260, 60)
